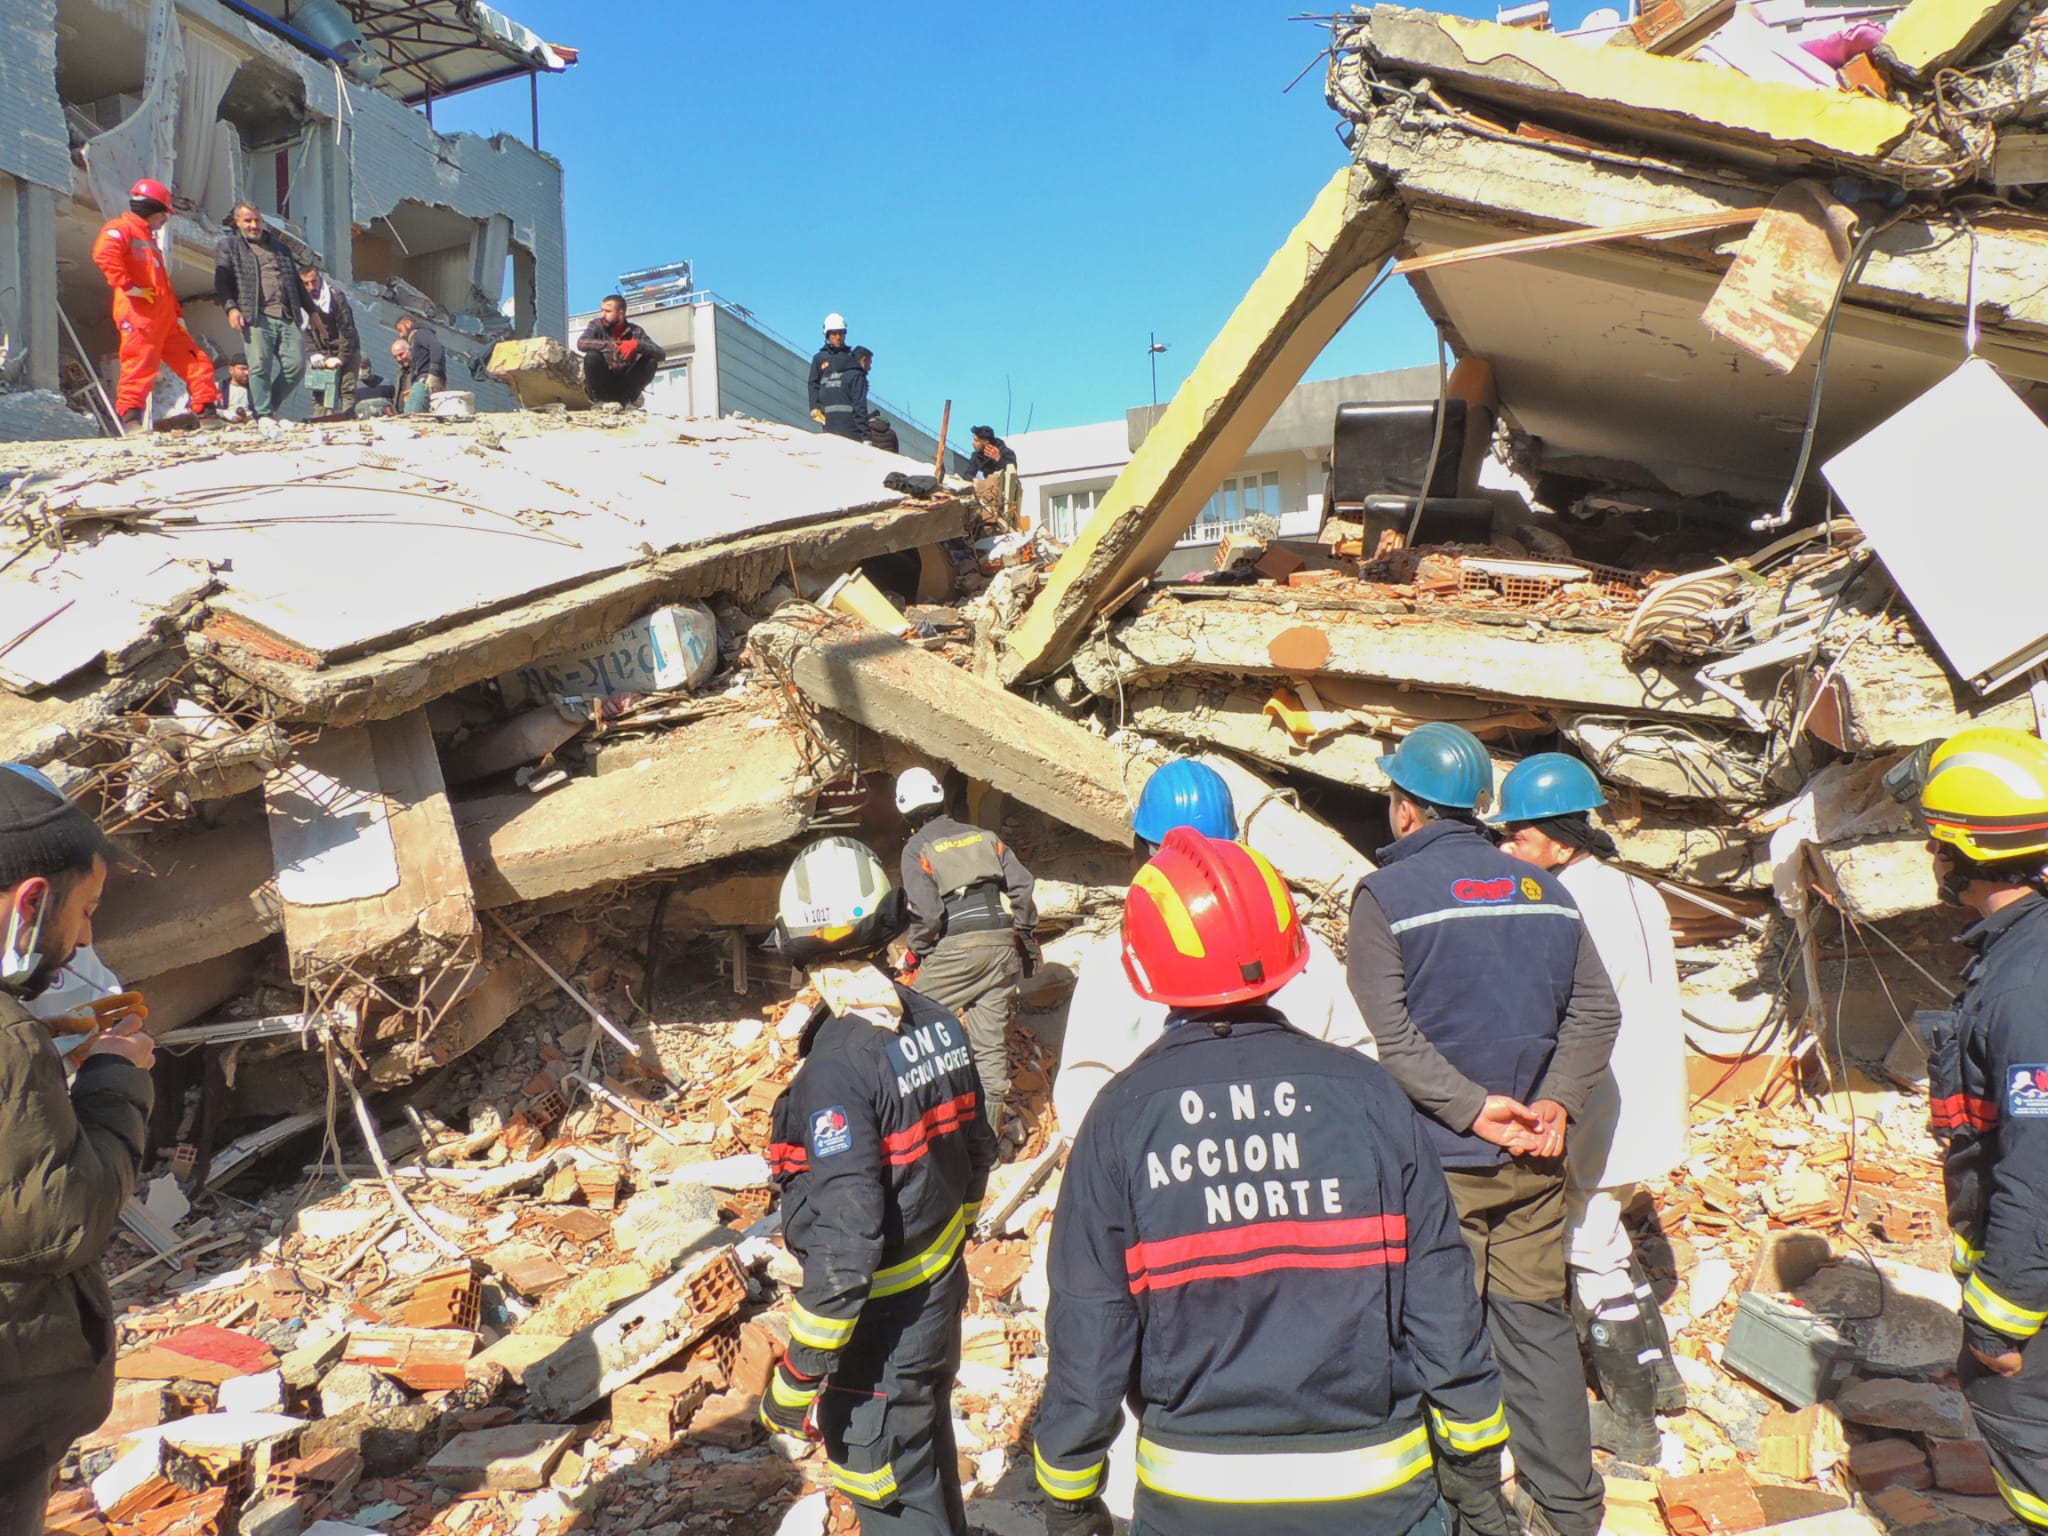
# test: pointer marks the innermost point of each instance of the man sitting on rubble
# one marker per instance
(426, 362)
(619, 357)
(71, 1155)
(1985, 805)
(967, 953)
(882, 1153)
(1634, 1125)
(256, 280)
(337, 348)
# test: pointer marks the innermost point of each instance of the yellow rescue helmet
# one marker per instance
(1987, 794)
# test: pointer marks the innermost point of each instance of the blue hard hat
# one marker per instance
(34, 776)
(1546, 785)
(1442, 764)
(1185, 793)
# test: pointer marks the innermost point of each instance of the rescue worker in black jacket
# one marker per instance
(882, 1153)
(970, 955)
(1255, 1245)
(619, 357)
(1492, 1010)
(839, 385)
(1985, 802)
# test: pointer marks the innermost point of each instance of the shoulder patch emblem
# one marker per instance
(2026, 1092)
(830, 1133)
(1532, 888)
(1483, 890)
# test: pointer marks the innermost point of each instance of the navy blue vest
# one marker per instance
(1489, 946)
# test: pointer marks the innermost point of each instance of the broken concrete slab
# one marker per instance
(1674, 101)
(369, 867)
(1519, 660)
(1916, 1406)
(1297, 304)
(952, 717)
(640, 1337)
(1685, 762)
(540, 371)
(514, 1458)
(1930, 34)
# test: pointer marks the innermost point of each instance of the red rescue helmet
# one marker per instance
(152, 191)
(1208, 923)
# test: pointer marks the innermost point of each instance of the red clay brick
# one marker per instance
(1962, 1466)
(1875, 1464)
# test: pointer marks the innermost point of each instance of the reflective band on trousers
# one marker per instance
(1283, 1477)
(2030, 1509)
(933, 1262)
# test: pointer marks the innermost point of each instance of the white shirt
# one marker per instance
(1636, 1122)
(1109, 1026)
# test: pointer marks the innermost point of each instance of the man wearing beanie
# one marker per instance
(69, 1159)
(147, 313)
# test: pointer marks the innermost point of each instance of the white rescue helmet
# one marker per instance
(917, 790)
(837, 899)
(834, 322)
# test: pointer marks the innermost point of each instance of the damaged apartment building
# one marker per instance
(319, 113)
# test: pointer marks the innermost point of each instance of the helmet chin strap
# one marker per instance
(22, 958)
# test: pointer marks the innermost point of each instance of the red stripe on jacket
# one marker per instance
(913, 1141)
(1367, 1241)
(1960, 1109)
(1365, 1259)
(788, 1157)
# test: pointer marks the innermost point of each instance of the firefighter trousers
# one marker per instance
(1333, 1519)
(886, 1414)
(976, 975)
(2012, 1413)
(146, 347)
(1513, 1220)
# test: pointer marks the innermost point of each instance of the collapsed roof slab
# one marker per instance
(1516, 658)
(1298, 303)
(1599, 353)
(952, 716)
(1622, 90)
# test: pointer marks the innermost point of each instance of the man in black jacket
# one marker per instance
(337, 348)
(619, 357)
(838, 385)
(426, 366)
(256, 280)
(69, 1159)
(882, 1155)
(882, 435)
(990, 455)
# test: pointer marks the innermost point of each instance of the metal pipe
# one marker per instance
(92, 373)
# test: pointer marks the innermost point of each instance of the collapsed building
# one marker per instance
(460, 763)
(319, 114)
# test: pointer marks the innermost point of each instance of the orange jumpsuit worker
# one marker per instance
(147, 312)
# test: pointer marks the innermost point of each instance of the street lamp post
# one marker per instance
(1153, 349)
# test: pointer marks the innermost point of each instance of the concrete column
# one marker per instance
(28, 279)
(492, 245)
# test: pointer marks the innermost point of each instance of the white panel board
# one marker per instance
(1952, 492)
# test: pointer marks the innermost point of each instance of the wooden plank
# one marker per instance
(1565, 239)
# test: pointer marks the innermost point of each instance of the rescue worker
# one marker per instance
(619, 357)
(839, 385)
(146, 310)
(1492, 1010)
(1109, 1024)
(71, 1155)
(1985, 803)
(1254, 1246)
(882, 1153)
(1635, 1125)
(966, 953)
(256, 280)
(337, 346)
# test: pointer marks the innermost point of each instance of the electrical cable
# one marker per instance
(1851, 270)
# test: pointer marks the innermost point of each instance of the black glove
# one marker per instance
(1029, 952)
(786, 1405)
(1472, 1486)
(1077, 1517)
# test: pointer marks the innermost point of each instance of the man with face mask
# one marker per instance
(1985, 804)
(69, 1159)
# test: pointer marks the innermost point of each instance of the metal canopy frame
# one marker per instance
(414, 36)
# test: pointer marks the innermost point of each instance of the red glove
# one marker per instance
(628, 347)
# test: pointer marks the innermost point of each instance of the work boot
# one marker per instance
(131, 420)
(1663, 1370)
(1625, 1420)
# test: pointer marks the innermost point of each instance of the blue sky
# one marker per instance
(1003, 201)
